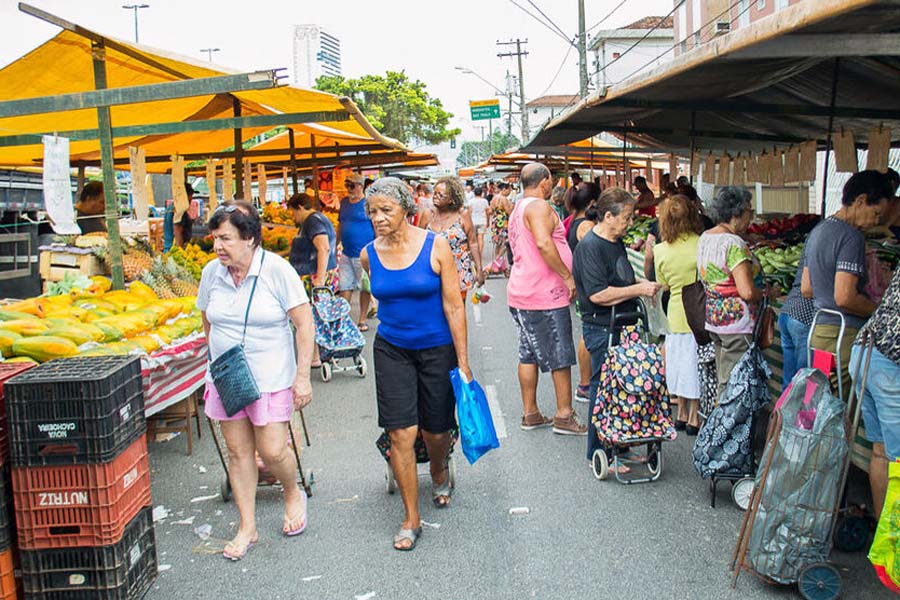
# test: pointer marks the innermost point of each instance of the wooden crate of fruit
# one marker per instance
(54, 265)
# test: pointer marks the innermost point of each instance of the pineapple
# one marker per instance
(134, 263)
(159, 285)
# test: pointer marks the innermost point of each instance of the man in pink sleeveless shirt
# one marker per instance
(539, 291)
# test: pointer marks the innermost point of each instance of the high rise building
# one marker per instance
(316, 53)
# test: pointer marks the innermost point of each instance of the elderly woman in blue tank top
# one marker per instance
(421, 337)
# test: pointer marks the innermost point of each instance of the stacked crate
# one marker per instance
(81, 479)
(7, 530)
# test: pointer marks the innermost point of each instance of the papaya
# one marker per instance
(125, 347)
(98, 313)
(141, 289)
(29, 306)
(68, 312)
(101, 350)
(43, 348)
(26, 326)
(21, 359)
(100, 284)
(167, 333)
(6, 341)
(12, 315)
(54, 322)
(188, 303)
(110, 332)
(94, 303)
(77, 334)
(147, 342)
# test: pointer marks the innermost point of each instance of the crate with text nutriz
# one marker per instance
(80, 505)
(7, 371)
(80, 410)
(119, 571)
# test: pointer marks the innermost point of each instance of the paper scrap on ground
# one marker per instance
(162, 568)
(203, 531)
(188, 521)
(203, 498)
(367, 596)
(353, 499)
(202, 469)
(311, 578)
(519, 510)
(160, 513)
(432, 525)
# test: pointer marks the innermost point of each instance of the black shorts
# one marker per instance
(413, 387)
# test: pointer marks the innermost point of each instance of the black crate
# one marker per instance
(124, 570)
(82, 410)
(7, 528)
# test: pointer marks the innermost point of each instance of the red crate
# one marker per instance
(80, 505)
(7, 575)
(7, 371)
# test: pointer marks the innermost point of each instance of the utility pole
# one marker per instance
(519, 53)
(582, 52)
(135, 8)
(510, 86)
(209, 52)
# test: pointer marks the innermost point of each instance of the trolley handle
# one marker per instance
(838, 346)
(622, 318)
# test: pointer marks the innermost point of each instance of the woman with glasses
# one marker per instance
(450, 221)
(250, 296)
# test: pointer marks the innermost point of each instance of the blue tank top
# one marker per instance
(410, 308)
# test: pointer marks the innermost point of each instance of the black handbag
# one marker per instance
(230, 372)
(693, 298)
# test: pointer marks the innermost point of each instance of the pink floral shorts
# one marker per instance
(272, 407)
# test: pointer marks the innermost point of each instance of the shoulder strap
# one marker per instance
(250, 300)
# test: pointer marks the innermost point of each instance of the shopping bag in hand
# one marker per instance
(885, 551)
(476, 427)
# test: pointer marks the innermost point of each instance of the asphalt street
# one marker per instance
(580, 537)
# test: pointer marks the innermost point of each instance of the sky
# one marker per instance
(427, 39)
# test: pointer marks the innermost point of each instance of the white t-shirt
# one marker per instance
(479, 206)
(269, 345)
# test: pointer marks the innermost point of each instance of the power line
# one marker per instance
(558, 71)
(608, 15)
(549, 20)
(541, 21)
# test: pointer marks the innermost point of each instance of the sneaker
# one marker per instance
(582, 393)
(569, 425)
(534, 421)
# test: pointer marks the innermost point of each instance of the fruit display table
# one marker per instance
(173, 374)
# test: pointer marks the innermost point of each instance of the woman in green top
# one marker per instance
(675, 260)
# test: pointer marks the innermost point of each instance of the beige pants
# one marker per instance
(730, 347)
(825, 337)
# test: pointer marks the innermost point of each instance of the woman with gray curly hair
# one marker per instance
(421, 337)
(732, 278)
(452, 222)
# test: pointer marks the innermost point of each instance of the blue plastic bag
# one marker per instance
(476, 427)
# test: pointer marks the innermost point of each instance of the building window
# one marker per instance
(616, 55)
(760, 4)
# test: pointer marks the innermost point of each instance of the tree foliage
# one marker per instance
(473, 153)
(395, 105)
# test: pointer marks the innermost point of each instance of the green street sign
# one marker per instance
(484, 109)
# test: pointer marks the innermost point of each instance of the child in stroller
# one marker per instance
(337, 336)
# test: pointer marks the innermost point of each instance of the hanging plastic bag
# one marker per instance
(476, 427)
(657, 321)
(885, 551)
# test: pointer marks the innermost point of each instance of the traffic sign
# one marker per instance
(484, 109)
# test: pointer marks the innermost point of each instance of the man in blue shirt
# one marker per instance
(354, 231)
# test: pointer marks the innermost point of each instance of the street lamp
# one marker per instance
(209, 51)
(467, 71)
(135, 8)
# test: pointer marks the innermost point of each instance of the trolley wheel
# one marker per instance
(819, 581)
(390, 482)
(225, 488)
(451, 470)
(600, 464)
(362, 367)
(851, 534)
(326, 372)
(742, 492)
(654, 457)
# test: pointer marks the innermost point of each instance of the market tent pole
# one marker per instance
(98, 54)
(693, 149)
(315, 172)
(238, 152)
(834, 84)
(624, 145)
(293, 159)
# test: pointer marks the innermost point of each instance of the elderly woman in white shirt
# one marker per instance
(283, 381)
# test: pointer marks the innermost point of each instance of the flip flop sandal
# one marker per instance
(305, 516)
(407, 534)
(442, 491)
(362, 326)
(233, 556)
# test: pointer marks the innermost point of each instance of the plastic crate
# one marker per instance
(7, 532)
(7, 575)
(7, 371)
(80, 505)
(82, 410)
(122, 570)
